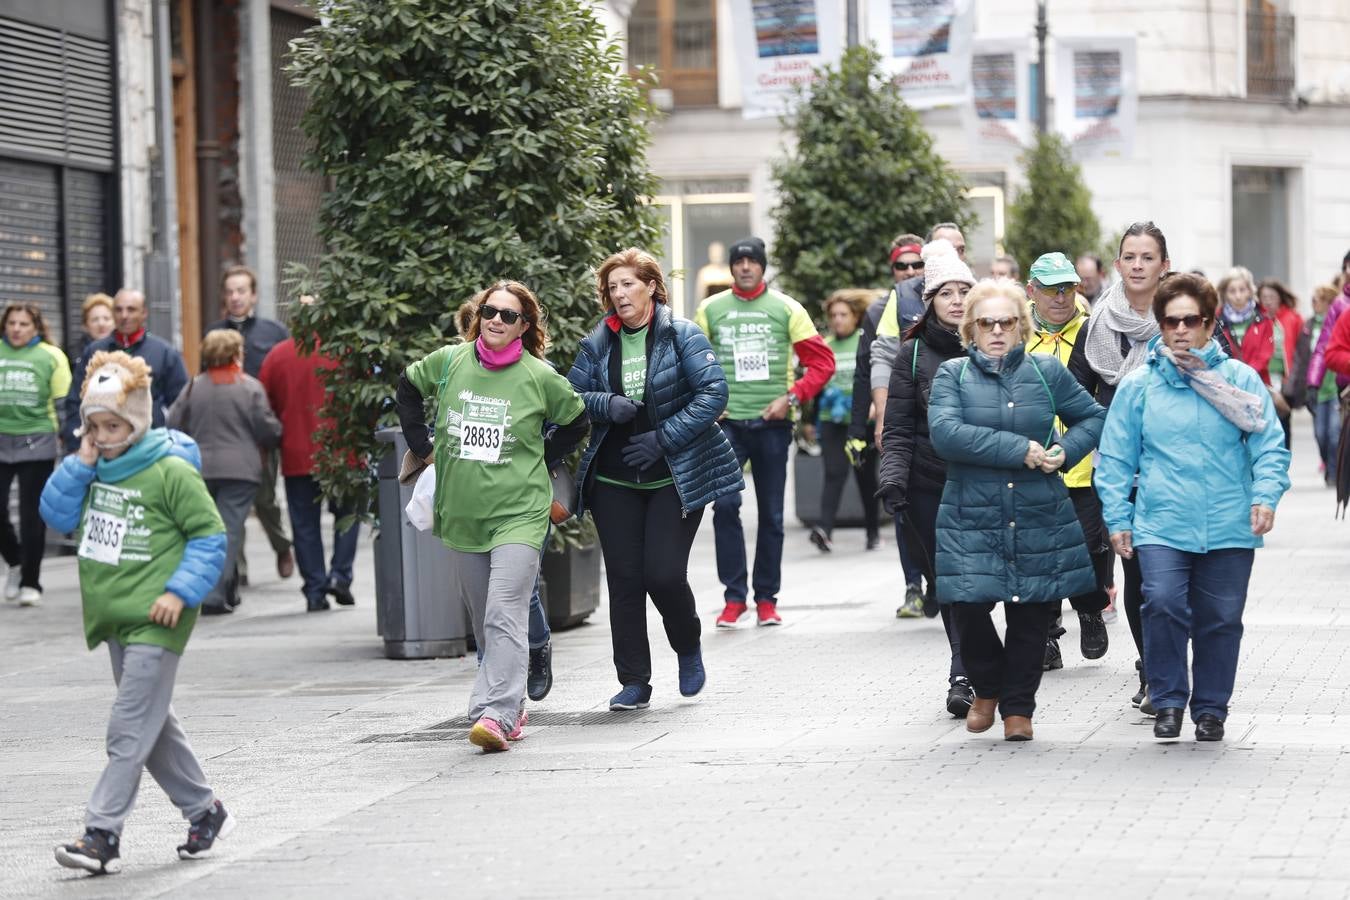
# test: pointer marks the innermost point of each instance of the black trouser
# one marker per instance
(832, 437)
(646, 544)
(1133, 600)
(920, 518)
(1011, 669)
(1088, 508)
(25, 549)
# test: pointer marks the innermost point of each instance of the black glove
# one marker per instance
(894, 499)
(622, 410)
(642, 451)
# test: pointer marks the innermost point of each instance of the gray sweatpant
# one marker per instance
(143, 733)
(496, 588)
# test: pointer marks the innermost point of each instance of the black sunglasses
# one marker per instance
(1172, 323)
(509, 316)
(914, 266)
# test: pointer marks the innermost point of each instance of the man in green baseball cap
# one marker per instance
(1059, 315)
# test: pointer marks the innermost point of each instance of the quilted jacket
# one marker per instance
(908, 460)
(685, 393)
(1006, 532)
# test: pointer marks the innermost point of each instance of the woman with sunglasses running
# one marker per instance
(1188, 413)
(912, 473)
(1113, 343)
(496, 397)
(1006, 529)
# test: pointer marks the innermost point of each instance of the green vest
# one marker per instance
(753, 341)
(155, 513)
(492, 487)
(32, 379)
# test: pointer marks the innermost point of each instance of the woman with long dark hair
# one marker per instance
(1114, 342)
(912, 473)
(34, 377)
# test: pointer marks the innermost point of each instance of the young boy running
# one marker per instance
(151, 547)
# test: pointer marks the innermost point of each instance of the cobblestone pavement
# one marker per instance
(818, 761)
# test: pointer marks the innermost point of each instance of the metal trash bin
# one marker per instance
(416, 613)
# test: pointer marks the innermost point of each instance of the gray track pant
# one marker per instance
(143, 733)
(495, 587)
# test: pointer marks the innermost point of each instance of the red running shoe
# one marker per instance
(768, 613)
(730, 614)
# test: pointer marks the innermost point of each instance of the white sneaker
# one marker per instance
(30, 597)
(12, 583)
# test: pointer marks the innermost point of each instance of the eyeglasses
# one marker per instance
(916, 266)
(509, 316)
(1172, 323)
(988, 324)
(1059, 290)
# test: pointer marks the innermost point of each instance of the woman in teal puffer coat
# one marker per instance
(1006, 528)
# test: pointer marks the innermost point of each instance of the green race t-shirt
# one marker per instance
(633, 362)
(131, 539)
(32, 379)
(491, 484)
(753, 340)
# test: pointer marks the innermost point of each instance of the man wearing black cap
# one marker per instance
(755, 331)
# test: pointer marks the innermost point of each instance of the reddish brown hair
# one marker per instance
(33, 313)
(535, 337)
(643, 264)
(1186, 285)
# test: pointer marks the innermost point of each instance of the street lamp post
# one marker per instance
(851, 29)
(1042, 29)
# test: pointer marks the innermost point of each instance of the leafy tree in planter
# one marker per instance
(1053, 211)
(465, 143)
(863, 170)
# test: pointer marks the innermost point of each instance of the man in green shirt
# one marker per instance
(755, 331)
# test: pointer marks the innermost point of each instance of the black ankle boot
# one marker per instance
(1167, 727)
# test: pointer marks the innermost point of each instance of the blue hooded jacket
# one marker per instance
(1199, 474)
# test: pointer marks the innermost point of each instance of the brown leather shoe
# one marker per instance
(286, 563)
(981, 715)
(1016, 728)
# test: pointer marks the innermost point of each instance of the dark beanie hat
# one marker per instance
(752, 247)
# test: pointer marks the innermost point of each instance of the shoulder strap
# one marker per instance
(914, 363)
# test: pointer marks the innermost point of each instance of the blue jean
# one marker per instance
(1195, 597)
(765, 444)
(304, 501)
(1327, 429)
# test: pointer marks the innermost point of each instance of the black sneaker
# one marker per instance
(213, 825)
(540, 680)
(1092, 637)
(960, 695)
(821, 539)
(317, 604)
(342, 594)
(1053, 658)
(1140, 694)
(96, 853)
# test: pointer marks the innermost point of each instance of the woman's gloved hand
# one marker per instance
(642, 451)
(622, 410)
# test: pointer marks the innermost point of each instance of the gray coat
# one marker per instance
(231, 424)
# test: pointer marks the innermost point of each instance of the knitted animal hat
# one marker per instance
(119, 384)
(941, 265)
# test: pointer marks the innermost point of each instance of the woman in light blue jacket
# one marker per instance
(1201, 432)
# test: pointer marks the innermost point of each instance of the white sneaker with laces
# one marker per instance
(30, 597)
(12, 583)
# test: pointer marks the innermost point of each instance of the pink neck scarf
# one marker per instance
(493, 360)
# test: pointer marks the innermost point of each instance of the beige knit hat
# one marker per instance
(119, 384)
(941, 265)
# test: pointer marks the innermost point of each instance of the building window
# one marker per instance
(1261, 218)
(677, 38)
(1270, 52)
(702, 219)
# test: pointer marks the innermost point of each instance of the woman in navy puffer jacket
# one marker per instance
(654, 391)
(1006, 528)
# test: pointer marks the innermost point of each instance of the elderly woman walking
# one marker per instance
(654, 390)
(1189, 414)
(226, 412)
(1006, 529)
